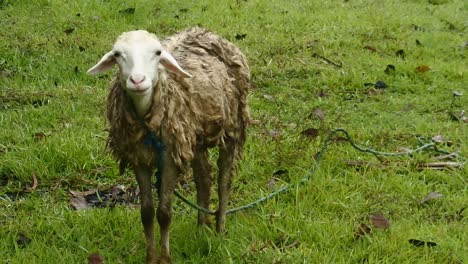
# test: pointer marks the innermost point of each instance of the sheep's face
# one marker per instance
(138, 55)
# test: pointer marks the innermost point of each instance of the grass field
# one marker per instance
(315, 65)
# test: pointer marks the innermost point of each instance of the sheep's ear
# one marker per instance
(170, 63)
(106, 62)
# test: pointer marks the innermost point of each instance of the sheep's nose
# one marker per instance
(137, 79)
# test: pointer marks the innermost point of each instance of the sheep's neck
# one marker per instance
(142, 103)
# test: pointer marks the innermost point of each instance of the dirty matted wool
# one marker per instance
(186, 113)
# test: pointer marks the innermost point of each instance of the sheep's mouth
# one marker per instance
(140, 91)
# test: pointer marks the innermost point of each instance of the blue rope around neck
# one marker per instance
(159, 148)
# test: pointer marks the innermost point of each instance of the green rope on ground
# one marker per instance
(318, 157)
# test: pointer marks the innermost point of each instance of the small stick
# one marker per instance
(316, 55)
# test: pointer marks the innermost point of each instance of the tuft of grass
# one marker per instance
(304, 56)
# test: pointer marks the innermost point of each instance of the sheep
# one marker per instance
(190, 91)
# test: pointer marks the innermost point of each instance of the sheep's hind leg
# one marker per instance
(143, 176)
(163, 213)
(202, 175)
(225, 166)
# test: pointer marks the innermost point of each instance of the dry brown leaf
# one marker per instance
(379, 220)
(370, 48)
(95, 258)
(441, 165)
(116, 190)
(444, 157)
(34, 186)
(85, 193)
(432, 196)
(274, 133)
(438, 139)
(255, 122)
(319, 114)
(78, 202)
(422, 68)
(39, 136)
(310, 132)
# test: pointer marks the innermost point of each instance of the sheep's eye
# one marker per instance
(158, 52)
(117, 54)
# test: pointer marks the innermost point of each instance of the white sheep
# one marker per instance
(190, 91)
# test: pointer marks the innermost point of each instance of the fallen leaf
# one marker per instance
(457, 93)
(255, 122)
(379, 220)
(294, 244)
(370, 48)
(85, 193)
(271, 184)
(390, 69)
(78, 202)
(39, 136)
(374, 91)
(319, 114)
(438, 139)
(316, 55)
(117, 190)
(274, 133)
(362, 230)
(34, 186)
(441, 165)
(422, 68)
(380, 85)
(95, 258)
(69, 30)
(446, 156)
(432, 196)
(404, 150)
(340, 139)
(419, 243)
(310, 132)
(22, 240)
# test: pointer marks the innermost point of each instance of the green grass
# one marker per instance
(44, 91)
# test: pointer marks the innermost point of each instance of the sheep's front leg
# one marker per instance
(225, 166)
(202, 175)
(168, 181)
(143, 176)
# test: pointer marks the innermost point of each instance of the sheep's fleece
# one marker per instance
(186, 113)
